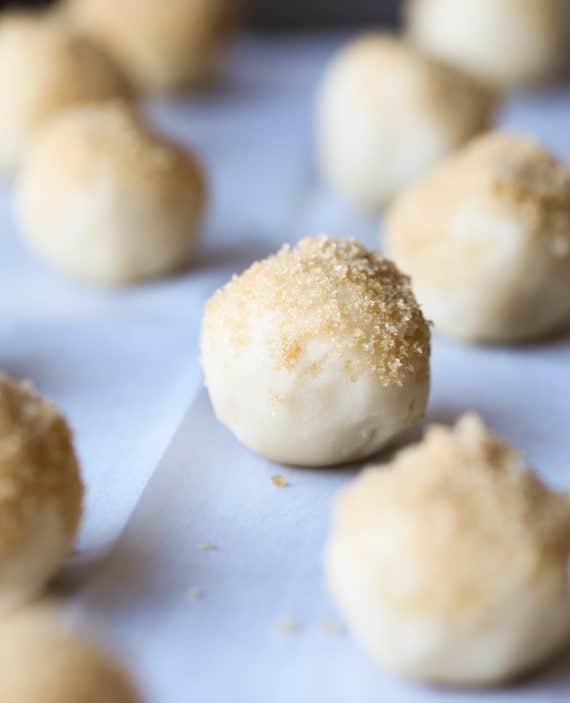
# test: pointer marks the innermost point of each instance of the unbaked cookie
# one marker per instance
(450, 564)
(486, 240)
(40, 493)
(164, 45)
(387, 112)
(507, 43)
(317, 355)
(126, 206)
(46, 67)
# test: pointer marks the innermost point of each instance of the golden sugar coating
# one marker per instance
(485, 238)
(42, 660)
(164, 46)
(510, 175)
(126, 147)
(38, 465)
(330, 289)
(473, 525)
(45, 67)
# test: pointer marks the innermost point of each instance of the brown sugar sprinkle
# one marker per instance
(467, 488)
(279, 481)
(333, 290)
(37, 463)
(529, 177)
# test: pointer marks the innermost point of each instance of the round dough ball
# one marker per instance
(507, 43)
(127, 206)
(450, 564)
(165, 45)
(42, 660)
(486, 240)
(44, 68)
(386, 113)
(40, 493)
(318, 355)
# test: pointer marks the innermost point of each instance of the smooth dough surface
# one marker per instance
(46, 67)
(486, 240)
(450, 564)
(43, 660)
(387, 112)
(507, 43)
(317, 355)
(40, 493)
(127, 206)
(165, 45)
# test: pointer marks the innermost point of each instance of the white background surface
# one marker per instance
(124, 366)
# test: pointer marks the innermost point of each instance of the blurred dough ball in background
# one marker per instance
(127, 205)
(318, 355)
(486, 240)
(40, 493)
(450, 564)
(508, 43)
(44, 68)
(44, 660)
(386, 112)
(165, 45)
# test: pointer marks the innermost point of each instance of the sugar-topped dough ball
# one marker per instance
(44, 68)
(450, 564)
(386, 112)
(318, 355)
(127, 205)
(165, 45)
(44, 660)
(507, 43)
(40, 493)
(486, 240)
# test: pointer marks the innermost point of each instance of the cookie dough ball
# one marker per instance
(507, 43)
(451, 563)
(317, 355)
(127, 206)
(44, 68)
(386, 113)
(42, 660)
(486, 240)
(165, 45)
(40, 493)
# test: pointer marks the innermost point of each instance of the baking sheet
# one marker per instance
(123, 365)
(228, 645)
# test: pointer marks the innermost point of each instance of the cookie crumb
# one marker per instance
(195, 593)
(330, 627)
(207, 546)
(279, 481)
(287, 626)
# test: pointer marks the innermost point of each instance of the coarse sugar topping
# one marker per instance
(334, 290)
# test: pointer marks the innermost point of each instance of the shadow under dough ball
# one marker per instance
(40, 493)
(318, 355)
(450, 563)
(46, 67)
(44, 660)
(128, 205)
(486, 240)
(386, 113)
